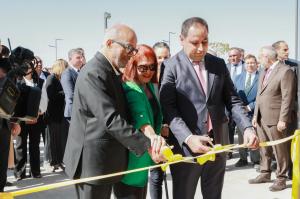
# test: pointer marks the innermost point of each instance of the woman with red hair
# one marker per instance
(139, 76)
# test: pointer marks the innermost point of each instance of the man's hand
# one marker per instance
(254, 122)
(250, 138)
(281, 126)
(165, 130)
(34, 121)
(198, 143)
(15, 129)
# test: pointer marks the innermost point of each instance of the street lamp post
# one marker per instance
(106, 17)
(170, 38)
(55, 46)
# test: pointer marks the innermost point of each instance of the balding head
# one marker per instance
(119, 32)
(119, 44)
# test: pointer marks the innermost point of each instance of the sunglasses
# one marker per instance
(145, 68)
(130, 50)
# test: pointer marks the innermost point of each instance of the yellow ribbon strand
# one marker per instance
(173, 159)
(295, 153)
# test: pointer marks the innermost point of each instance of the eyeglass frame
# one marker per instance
(153, 69)
(129, 48)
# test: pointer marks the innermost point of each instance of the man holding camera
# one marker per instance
(6, 129)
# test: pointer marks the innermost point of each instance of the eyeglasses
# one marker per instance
(145, 68)
(130, 50)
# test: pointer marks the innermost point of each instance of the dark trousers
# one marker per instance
(155, 182)
(58, 139)
(4, 151)
(90, 191)
(123, 191)
(186, 176)
(33, 131)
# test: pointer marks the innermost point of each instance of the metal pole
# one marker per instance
(170, 39)
(55, 49)
(55, 46)
(107, 16)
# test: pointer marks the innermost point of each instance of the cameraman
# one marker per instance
(6, 128)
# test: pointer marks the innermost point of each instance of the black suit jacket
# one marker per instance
(99, 135)
(56, 97)
(185, 106)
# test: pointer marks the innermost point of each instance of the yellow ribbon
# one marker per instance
(295, 153)
(174, 159)
(168, 153)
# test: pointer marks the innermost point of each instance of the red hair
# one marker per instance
(130, 71)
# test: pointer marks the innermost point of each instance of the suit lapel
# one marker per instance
(210, 75)
(189, 67)
(272, 75)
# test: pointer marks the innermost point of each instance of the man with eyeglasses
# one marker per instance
(100, 135)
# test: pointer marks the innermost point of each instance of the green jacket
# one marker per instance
(141, 113)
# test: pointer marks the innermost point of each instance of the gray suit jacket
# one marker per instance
(99, 135)
(185, 105)
(275, 99)
(68, 80)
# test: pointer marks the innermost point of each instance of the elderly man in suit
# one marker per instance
(100, 136)
(272, 115)
(235, 66)
(196, 87)
(246, 85)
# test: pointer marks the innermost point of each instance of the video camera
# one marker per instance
(17, 100)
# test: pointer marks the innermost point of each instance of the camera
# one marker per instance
(18, 100)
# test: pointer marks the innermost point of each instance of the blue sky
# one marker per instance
(248, 24)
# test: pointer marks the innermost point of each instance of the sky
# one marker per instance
(35, 24)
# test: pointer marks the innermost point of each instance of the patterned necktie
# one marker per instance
(199, 68)
(248, 84)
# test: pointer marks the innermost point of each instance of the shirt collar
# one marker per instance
(117, 72)
(273, 65)
(74, 68)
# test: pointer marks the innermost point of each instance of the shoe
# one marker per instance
(241, 163)
(278, 185)
(36, 175)
(229, 155)
(9, 184)
(262, 178)
(19, 177)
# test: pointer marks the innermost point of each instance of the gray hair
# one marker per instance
(276, 45)
(161, 45)
(75, 51)
(269, 51)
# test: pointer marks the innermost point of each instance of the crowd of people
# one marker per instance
(119, 110)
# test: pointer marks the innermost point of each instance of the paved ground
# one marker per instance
(235, 187)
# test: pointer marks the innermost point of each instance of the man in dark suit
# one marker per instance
(100, 136)
(246, 85)
(193, 99)
(272, 115)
